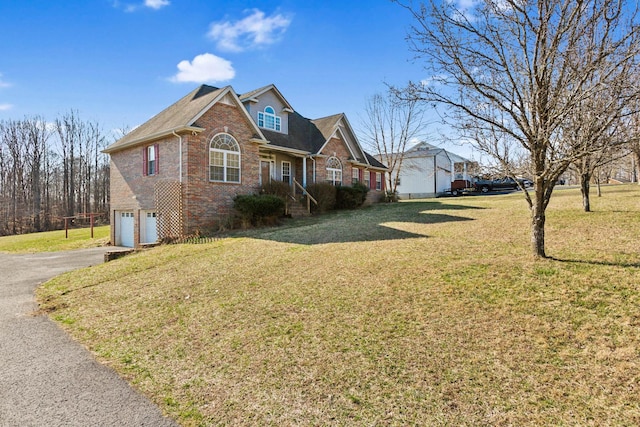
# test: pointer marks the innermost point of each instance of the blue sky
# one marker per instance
(119, 62)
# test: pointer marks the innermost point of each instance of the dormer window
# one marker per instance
(267, 119)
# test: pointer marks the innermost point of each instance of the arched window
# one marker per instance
(334, 171)
(267, 119)
(224, 159)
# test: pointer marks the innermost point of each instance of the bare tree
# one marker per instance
(390, 125)
(36, 133)
(69, 129)
(43, 179)
(634, 144)
(509, 75)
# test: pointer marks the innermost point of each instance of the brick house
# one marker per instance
(179, 172)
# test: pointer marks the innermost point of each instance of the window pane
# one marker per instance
(233, 174)
(233, 160)
(269, 122)
(217, 173)
(224, 141)
(217, 158)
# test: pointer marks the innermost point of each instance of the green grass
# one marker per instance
(51, 241)
(418, 313)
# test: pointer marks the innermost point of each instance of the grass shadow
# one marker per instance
(590, 262)
(374, 223)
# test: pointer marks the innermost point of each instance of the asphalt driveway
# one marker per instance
(46, 378)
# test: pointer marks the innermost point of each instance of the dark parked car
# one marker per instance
(486, 185)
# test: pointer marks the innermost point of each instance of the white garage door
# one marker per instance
(150, 229)
(126, 229)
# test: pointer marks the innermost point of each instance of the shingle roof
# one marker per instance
(180, 114)
(256, 92)
(304, 134)
(252, 93)
(373, 161)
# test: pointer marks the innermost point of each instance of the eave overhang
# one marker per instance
(154, 137)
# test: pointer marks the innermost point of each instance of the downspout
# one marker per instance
(179, 155)
(314, 168)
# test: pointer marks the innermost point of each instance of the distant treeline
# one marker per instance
(51, 170)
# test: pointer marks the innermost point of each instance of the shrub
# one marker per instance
(351, 197)
(254, 209)
(276, 188)
(391, 196)
(325, 194)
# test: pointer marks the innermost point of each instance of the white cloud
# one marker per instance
(205, 68)
(254, 30)
(156, 4)
(3, 83)
(435, 80)
(132, 7)
(465, 9)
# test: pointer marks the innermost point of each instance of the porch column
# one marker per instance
(304, 172)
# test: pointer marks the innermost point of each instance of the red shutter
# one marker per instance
(157, 150)
(144, 161)
(372, 180)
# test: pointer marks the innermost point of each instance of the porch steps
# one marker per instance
(297, 210)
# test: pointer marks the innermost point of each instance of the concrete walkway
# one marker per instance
(46, 378)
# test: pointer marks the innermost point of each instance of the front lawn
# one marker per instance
(58, 240)
(429, 312)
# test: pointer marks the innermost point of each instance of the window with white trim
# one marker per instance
(267, 119)
(334, 171)
(355, 176)
(366, 178)
(150, 160)
(286, 172)
(378, 181)
(224, 159)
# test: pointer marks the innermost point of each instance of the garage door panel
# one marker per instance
(126, 229)
(150, 228)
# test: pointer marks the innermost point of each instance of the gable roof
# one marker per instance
(178, 117)
(331, 125)
(424, 149)
(310, 136)
(248, 96)
(305, 136)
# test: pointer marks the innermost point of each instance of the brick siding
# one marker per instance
(207, 203)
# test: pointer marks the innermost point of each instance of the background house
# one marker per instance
(427, 171)
(178, 173)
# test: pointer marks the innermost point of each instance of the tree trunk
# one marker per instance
(538, 218)
(636, 169)
(584, 189)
